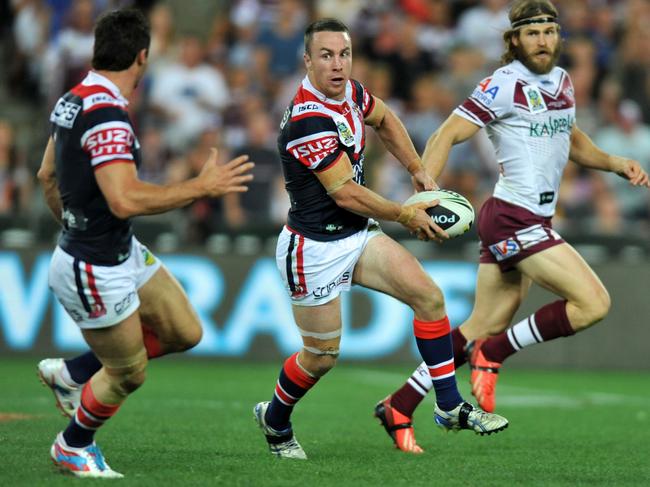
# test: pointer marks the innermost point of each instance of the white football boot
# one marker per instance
(467, 417)
(67, 397)
(283, 444)
(87, 462)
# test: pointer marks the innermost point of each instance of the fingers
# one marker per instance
(426, 204)
(242, 168)
(237, 161)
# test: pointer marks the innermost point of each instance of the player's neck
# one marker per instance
(124, 80)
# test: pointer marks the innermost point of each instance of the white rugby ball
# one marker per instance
(454, 213)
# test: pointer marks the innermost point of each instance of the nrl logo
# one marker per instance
(535, 100)
(346, 134)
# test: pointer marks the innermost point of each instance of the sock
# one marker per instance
(547, 323)
(151, 343)
(433, 339)
(459, 341)
(292, 385)
(411, 394)
(80, 369)
(90, 415)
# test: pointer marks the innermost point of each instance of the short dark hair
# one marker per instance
(323, 25)
(119, 36)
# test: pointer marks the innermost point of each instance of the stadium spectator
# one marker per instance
(481, 27)
(528, 109)
(189, 95)
(128, 306)
(16, 183)
(331, 240)
(629, 137)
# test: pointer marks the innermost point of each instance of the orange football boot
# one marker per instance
(484, 377)
(398, 426)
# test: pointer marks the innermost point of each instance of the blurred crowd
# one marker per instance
(225, 82)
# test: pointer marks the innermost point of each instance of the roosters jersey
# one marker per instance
(91, 129)
(529, 118)
(314, 134)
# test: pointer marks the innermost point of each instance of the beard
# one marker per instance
(536, 66)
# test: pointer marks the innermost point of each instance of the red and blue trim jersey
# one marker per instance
(314, 134)
(91, 129)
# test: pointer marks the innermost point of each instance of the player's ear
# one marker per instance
(307, 59)
(142, 56)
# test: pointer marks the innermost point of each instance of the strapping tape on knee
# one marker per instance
(321, 336)
(126, 365)
(317, 351)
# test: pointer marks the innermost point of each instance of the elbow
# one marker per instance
(45, 177)
(344, 197)
(122, 209)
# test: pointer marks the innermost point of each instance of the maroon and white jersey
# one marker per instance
(314, 134)
(91, 129)
(529, 118)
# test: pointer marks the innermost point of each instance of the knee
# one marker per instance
(191, 335)
(599, 306)
(127, 382)
(427, 299)
(319, 364)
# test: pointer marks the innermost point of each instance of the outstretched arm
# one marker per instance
(128, 196)
(585, 153)
(396, 139)
(47, 177)
(453, 131)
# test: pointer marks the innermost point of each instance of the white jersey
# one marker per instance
(529, 118)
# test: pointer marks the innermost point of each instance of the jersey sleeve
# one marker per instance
(490, 100)
(108, 136)
(312, 139)
(363, 98)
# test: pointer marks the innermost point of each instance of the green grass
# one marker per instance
(191, 424)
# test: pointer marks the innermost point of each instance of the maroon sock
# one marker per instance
(548, 323)
(414, 390)
(459, 341)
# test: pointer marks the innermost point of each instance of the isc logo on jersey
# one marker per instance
(314, 148)
(108, 139)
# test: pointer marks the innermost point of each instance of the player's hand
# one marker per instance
(231, 177)
(632, 171)
(419, 223)
(422, 181)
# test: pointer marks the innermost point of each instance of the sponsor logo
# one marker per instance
(445, 219)
(285, 118)
(149, 258)
(552, 126)
(74, 314)
(110, 141)
(124, 303)
(357, 169)
(74, 219)
(333, 227)
(485, 84)
(505, 249)
(98, 310)
(534, 98)
(546, 197)
(64, 113)
(324, 291)
(313, 151)
(345, 133)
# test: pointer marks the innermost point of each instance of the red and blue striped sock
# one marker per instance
(292, 385)
(433, 339)
(90, 415)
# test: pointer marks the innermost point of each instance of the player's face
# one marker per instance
(329, 63)
(538, 46)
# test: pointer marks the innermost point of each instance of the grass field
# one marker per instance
(191, 424)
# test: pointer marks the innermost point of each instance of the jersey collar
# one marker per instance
(543, 78)
(307, 85)
(93, 78)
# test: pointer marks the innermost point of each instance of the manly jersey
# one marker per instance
(91, 129)
(529, 118)
(314, 134)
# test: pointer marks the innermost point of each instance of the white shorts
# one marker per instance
(315, 272)
(100, 296)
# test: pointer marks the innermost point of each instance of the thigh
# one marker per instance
(119, 345)
(320, 326)
(498, 296)
(386, 266)
(562, 271)
(165, 307)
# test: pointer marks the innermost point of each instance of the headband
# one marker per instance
(536, 20)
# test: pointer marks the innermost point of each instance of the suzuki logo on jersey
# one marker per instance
(116, 140)
(313, 149)
(505, 249)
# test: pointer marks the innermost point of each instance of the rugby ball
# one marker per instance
(454, 213)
